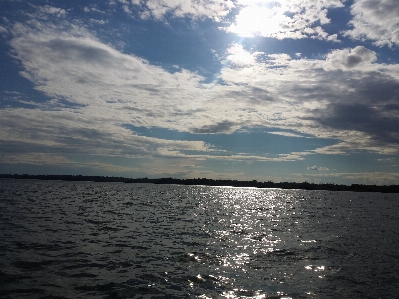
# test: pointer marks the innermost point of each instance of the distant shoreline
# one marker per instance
(211, 182)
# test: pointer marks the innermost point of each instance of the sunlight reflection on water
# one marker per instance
(99, 240)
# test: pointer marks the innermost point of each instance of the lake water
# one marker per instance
(114, 240)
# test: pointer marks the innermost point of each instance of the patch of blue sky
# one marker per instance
(349, 162)
(339, 18)
(259, 170)
(190, 48)
(313, 168)
(14, 89)
(385, 54)
(251, 141)
(309, 48)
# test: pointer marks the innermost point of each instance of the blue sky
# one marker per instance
(268, 90)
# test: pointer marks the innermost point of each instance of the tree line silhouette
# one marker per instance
(212, 182)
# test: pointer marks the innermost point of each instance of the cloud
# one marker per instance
(158, 9)
(365, 105)
(76, 67)
(288, 134)
(357, 107)
(93, 8)
(3, 29)
(47, 12)
(284, 19)
(105, 89)
(280, 19)
(238, 57)
(54, 161)
(377, 178)
(221, 127)
(375, 20)
(349, 59)
(72, 133)
(100, 22)
(317, 168)
(58, 12)
(362, 118)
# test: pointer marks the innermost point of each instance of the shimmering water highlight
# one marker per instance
(115, 240)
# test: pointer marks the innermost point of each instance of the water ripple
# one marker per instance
(113, 240)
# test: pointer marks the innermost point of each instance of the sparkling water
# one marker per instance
(115, 240)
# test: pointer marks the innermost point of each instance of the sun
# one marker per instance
(256, 20)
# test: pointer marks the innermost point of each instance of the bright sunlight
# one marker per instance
(258, 20)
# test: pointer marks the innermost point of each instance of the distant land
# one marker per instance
(211, 182)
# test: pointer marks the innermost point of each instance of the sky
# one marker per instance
(282, 91)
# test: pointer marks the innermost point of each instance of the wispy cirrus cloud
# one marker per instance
(58, 12)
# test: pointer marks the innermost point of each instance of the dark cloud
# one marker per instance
(392, 106)
(221, 127)
(78, 49)
(337, 86)
(366, 103)
(360, 54)
(190, 112)
(356, 117)
(375, 88)
(352, 60)
(252, 94)
(260, 94)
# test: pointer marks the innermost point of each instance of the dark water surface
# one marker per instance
(115, 240)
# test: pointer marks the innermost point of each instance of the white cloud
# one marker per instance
(315, 97)
(280, 19)
(126, 9)
(3, 29)
(333, 38)
(100, 22)
(84, 71)
(93, 9)
(349, 59)
(238, 57)
(83, 133)
(369, 178)
(317, 168)
(59, 12)
(284, 19)
(157, 9)
(287, 134)
(54, 160)
(109, 88)
(375, 20)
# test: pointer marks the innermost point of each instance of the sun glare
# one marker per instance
(256, 20)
